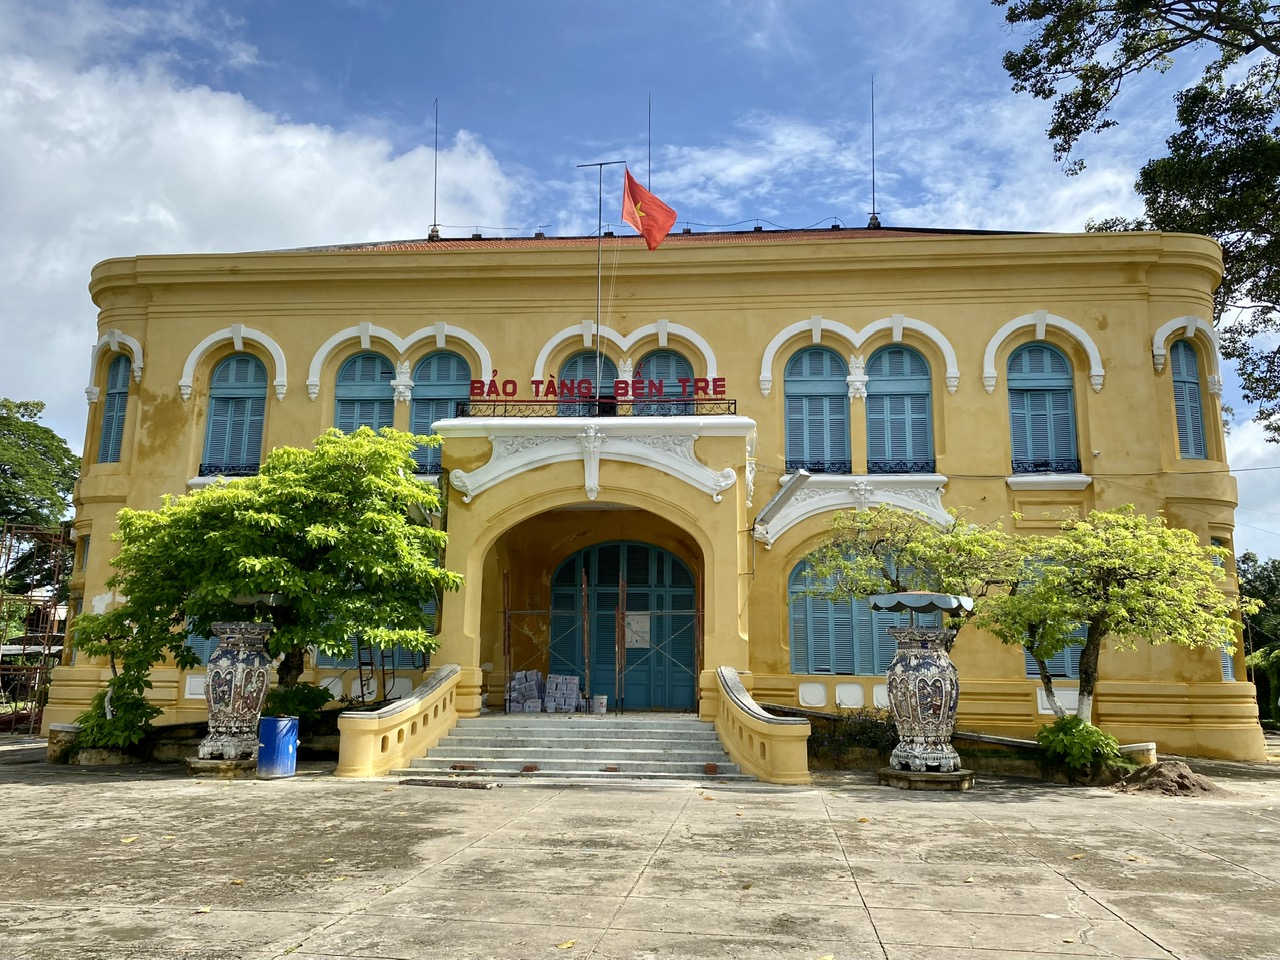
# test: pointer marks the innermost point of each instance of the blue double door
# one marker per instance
(659, 624)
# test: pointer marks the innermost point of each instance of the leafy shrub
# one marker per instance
(1077, 744)
(130, 720)
(864, 727)
(302, 700)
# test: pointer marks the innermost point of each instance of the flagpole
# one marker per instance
(599, 260)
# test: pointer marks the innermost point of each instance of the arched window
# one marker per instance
(113, 408)
(1186, 400)
(669, 368)
(582, 366)
(899, 412)
(237, 406)
(365, 397)
(1065, 664)
(816, 392)
(1042, 411)
(839, 637)
(440, 381)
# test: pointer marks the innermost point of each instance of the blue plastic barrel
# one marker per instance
(277, 747)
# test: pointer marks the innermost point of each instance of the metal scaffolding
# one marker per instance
(33, 620)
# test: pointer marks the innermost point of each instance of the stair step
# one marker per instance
(580, 748)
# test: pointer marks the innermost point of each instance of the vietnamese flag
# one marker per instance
(649, 215)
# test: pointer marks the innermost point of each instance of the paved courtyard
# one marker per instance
(143, 862)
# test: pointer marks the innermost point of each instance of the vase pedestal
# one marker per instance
(235, 686)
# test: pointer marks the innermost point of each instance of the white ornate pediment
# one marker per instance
(665, 444)
(826, 493)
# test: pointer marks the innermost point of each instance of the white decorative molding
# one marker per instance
(117, 342)
(1041, 321)
(1215, 385)
(440, 333)
(238, 334)
(402, 384)
(662, 329)
(818, 326)
(827, 493)
(625, 368)
(1188, 327)
(857, 378)
(1048, 481)
(665, 444)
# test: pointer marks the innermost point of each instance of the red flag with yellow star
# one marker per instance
(649, 215)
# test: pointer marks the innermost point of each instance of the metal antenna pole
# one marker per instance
(599, 261)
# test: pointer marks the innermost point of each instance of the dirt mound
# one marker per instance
(1171, 778)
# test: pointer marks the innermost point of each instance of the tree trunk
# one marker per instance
(1089, 673)
(291, 666)
(1046, 681)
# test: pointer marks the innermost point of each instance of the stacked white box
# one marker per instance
(524, 687)
(562, 693)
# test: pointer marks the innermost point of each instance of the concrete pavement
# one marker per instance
(144, 862)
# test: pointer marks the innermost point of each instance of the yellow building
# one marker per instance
(1005, 373)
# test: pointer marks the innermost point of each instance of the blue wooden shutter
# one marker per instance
(441, 380)
(899, 414)
(1042, 424)
(364, 396)
(237, 411)
(582, 366)
(1065, 664)
(817, 412)
(1186, 400)
(113, 410)
(667, 366)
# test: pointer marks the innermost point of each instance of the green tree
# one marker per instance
(887, 550)
(326, 539)
(1221, 176)
(1125, 577)
(1260, 579)
(37, 468)
(37, 474)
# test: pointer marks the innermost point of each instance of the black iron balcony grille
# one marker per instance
(901, 466)
(1046, 466)
(821, 466)
(228, 469)
(601, 407)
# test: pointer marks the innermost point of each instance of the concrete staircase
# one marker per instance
(580, 748)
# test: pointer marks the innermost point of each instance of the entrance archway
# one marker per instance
(659, 624)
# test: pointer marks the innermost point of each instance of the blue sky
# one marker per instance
(160, 127)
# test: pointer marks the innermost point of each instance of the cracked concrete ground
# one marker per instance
(143, 862)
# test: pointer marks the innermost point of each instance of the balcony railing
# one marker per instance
(602, 407)
(820, 466)
(902, 466)
(228, 469)
(1046, 466)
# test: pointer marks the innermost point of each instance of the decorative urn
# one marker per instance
(922, 682)
(235, 685)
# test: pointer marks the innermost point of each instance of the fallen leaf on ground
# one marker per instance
(969, 880)
(566, 945)
(1076, 856)
(737, 814)
(708, 798)
(864, 819)
(202, 909)
(327, 860)
(168, 836)
(237, 883)
(1051, 916)
(1067, 940)
(1137, 860)
(827, 956)
(338, 879)
(128, 839)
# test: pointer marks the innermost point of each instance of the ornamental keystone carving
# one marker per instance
(857, 378)
(402, 384)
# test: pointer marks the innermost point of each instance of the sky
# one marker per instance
(177, 126)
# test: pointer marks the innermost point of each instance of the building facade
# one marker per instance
(631, 494)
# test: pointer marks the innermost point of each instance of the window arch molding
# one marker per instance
(819, 327)
(1200, 333)
(661, 330)
(113, 341)
(446, 336)
(1041, 321)
(899, 410)
(1043, 423)
(235, 422)
(238, 334)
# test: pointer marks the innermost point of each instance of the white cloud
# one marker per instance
(104, 161)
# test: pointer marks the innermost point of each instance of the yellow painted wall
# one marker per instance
(851, 290)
